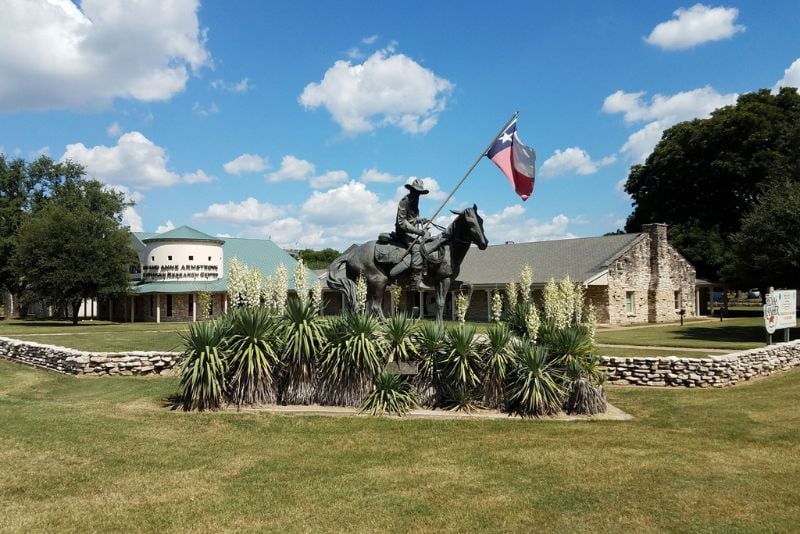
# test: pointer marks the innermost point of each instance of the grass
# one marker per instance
(645, 352)
(734, 334)
(104, 455)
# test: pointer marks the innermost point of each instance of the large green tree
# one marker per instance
(767, 248)
(72, 245)
(318, 259)
(706, 175)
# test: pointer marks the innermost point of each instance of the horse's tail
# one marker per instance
(337, 278)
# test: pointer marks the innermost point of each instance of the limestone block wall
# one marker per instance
(76, 362)
(715, 371)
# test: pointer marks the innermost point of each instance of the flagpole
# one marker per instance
(463, 178)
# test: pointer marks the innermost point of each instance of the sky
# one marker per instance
(301, 121)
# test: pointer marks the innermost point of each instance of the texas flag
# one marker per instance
(515, 159)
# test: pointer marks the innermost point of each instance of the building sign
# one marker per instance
(780, 310)
(180, 272)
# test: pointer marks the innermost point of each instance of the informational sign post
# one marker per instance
(780, 310)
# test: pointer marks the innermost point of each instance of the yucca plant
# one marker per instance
(571, 343)
(351, 360)
(535, 382)
(391, 394)
(303, 336)
(462, 371)
(203, 366)
(516, 317)
(253, 361)
(396, 333)
(497, 360)
(429, 340)
(585, 393)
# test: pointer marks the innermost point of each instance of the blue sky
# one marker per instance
(301, 121)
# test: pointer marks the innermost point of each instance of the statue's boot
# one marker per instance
(419, 285)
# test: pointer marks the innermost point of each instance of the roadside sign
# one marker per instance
(780, 310)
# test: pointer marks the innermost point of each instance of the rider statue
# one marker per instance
(409, 228)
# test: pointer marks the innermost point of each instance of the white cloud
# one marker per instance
(114, 130)
(619, 189)
(791, 76)
(374, 175)
(292, 168)
(44, 151)
(166, 227)
(369, 40)
(246, 163)
(572, 160)
(434, 191)
(204, 111)
(510, 224)
(696, 25)
(662, 112)
(55, 54)
(132, 219)
(247, 212)
(242, 86)
(327, 180)
(134, 161)
(386, 90)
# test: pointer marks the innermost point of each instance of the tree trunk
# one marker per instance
(76, 305)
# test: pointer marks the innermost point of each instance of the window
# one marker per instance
(209, 258)
(678, 300)
(169, 258)
(169, 304)
(630, 304)
(191, 258)
(152, 258)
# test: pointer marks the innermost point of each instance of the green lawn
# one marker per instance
(734, 334)
(644, 352)
(94, 455)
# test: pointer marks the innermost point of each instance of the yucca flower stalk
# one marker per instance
(316, 297)
(391, 394)
(236, 282)
(497, 306)
(281, 288)
(303, 338)
(511, 295)
(395, 292)
(301, 281)
(203, 366)
(253, 348)
(525, 283)
(251, 296)
(532, 322)
(361, 294)
(462, 303)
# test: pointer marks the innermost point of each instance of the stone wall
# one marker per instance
(76, 362)
(715, 371)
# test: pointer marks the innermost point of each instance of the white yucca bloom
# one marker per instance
(497, 306)
(590, 319)
(532, 322)
(361, 293)
(578, 302)
(525, 283)
(251, 296)
(316, 297)
(555, 307)
(462, 303)
(281, 288)
(300, 281)
(236, 282)
(268, 293)
(511, 295)
(395, 292)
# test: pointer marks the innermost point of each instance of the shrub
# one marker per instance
(534, 386)
(462, 371)
(429, 340)
(253, 356)
(303, 338)
(497, 359)
(391, 394)
(351, 360)
(396, 333)
(203, 366)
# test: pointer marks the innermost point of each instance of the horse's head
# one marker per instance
(469, 226)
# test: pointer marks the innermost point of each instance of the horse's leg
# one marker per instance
(441, 296)
(377, 287)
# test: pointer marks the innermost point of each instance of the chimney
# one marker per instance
(660, 285)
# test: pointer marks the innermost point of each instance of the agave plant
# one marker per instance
(303, 336)
(390, 395)
(463, 367)
(535, 381)
(203, 366)
(351, 360)
(429, 340)
(396, 333)
(253, 349)
(497, 361)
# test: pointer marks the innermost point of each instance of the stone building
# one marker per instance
(629, 278)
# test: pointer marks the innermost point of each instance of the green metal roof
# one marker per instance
(182, 233)
(259, 253)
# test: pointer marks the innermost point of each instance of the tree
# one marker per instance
(72, 246)
(706, 175)
(767, 248)
(318, 259)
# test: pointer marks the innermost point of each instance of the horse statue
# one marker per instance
(386, 260)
